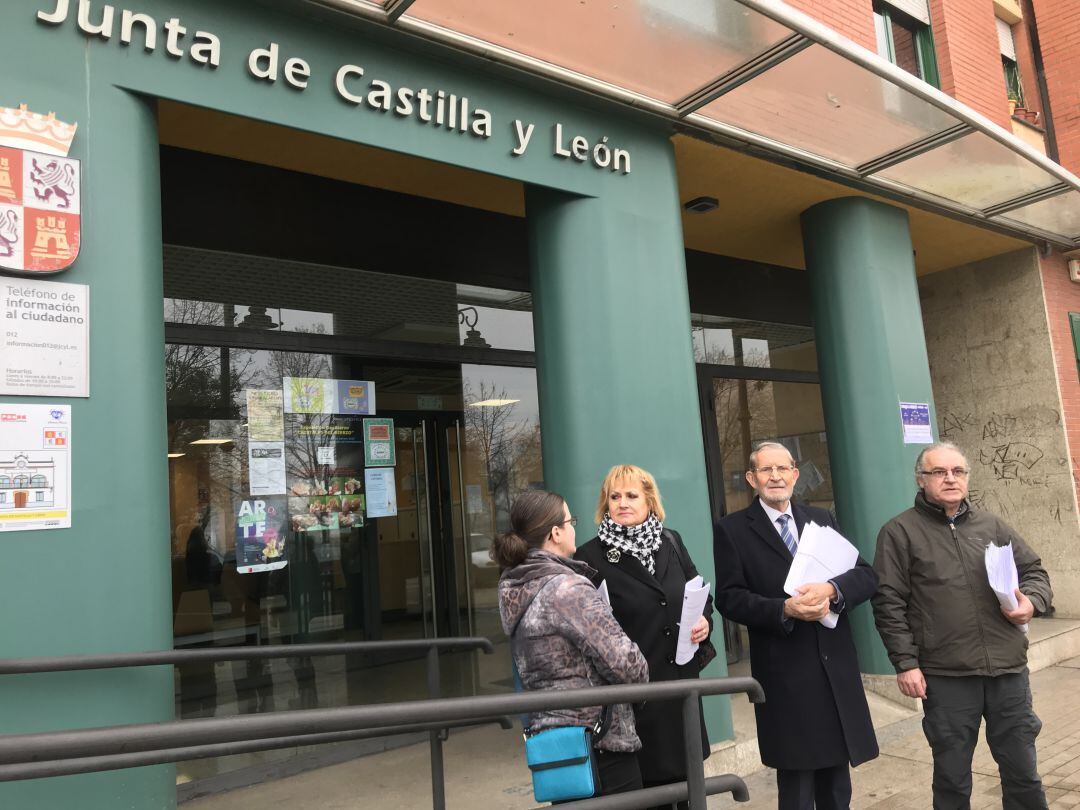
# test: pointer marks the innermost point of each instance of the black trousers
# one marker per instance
(619, 772)
(953, 711)
(824, 789)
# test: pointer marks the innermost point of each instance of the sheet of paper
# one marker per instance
(603, 591)
(823, 554)
(695, 594)
(1002, 575)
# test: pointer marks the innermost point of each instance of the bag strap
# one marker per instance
(603, 723)
(676, 544)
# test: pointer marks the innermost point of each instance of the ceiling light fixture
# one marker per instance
(212, 441)
(176, 455)
(702, 205)
(493, 403)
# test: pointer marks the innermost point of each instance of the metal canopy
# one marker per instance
(760, 73)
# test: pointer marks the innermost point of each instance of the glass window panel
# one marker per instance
(753, 411)
(822, 103)
(974, 170)
(655, 47)
(736, 342)
(1058, 215)
(905, 48)
(340, 301)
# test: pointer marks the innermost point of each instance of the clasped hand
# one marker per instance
(810, 602)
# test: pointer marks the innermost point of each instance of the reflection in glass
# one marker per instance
(467, 442)
(737, 342)
(752, 411)
(339, 301)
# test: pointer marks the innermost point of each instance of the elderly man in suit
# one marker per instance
(815, 720)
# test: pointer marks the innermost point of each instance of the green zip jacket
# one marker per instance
(934, 607)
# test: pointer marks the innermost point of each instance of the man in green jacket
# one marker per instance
(950, 641)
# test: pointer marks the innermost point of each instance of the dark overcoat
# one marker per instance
(648, 608)
(815, 713)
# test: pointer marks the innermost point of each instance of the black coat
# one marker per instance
(648, 608)
(815, 713)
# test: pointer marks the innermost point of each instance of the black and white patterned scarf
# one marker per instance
(642, 541)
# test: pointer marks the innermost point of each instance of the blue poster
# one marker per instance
(355, 397)
(915, 421)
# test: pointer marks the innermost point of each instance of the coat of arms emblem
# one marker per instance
(39, 193)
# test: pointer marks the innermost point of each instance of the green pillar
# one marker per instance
(615, 366)
(103, 585)
(871, 356)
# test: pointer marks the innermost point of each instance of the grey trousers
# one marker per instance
(954, 709)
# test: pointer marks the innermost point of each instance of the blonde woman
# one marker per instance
(646, 567)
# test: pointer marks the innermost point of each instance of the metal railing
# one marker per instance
(56, 753)
(437, 732)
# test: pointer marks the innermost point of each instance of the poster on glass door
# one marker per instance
(261, 529)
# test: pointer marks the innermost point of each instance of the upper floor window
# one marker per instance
(904, 37)
(1013, 87)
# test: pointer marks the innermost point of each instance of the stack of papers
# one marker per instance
(823, 554)
(1002, 576)
(695, 595)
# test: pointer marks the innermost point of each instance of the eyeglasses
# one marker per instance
(941, 473)
(781, 470)
(572, 521)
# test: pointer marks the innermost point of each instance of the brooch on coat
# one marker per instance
(613, 555)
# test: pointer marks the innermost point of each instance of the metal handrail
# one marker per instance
(72, 663)
(437, 732)
(24, 756)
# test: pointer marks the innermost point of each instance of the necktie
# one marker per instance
(786, 535)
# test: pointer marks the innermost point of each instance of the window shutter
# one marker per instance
(919, 9)
(1005, 39)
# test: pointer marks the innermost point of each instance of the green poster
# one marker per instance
(379, 443)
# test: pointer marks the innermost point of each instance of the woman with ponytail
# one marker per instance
(562, 634)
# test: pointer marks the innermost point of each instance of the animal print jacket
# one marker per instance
(563, 636)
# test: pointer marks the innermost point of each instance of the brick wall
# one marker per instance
(1062, 296)
(1059, 32)
(852, 18)
(968, 56)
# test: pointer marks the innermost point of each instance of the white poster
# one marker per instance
(45, 350)
(381, 492)
(266, 468)
(35, 467)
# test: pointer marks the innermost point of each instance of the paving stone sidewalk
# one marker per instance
(900, 777)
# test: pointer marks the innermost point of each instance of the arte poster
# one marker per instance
(35, 467)
(379, 448)
(266, 468)
(381, 491)
(260, 535)
(46, 346)
(915, 421)
(265, 416)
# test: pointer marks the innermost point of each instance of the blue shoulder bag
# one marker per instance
(563, 760)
